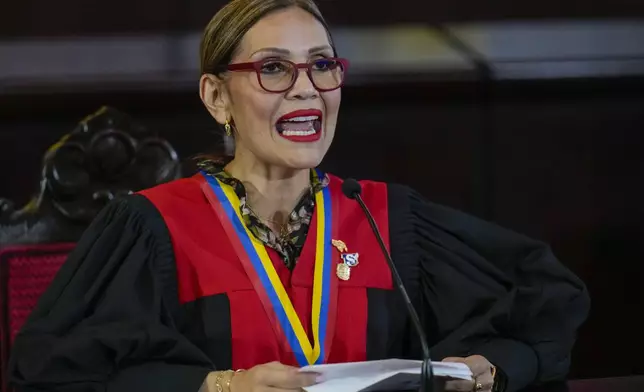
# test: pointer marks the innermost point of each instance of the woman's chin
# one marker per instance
(308, 160)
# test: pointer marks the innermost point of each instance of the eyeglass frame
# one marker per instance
(257, 67)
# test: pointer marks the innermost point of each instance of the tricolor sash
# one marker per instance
(267, 284)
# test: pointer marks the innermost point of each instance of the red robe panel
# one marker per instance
(207, 265)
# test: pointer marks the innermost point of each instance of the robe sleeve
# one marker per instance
(489, 291)
(106, 323)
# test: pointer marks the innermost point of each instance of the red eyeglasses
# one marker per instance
(278, 76)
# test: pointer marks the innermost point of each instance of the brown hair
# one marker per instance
(226, 29)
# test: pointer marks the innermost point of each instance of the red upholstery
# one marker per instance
(25, 273)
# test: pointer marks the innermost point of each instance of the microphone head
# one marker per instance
(351, 188)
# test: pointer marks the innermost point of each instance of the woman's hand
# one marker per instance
(272, 377)
(481, 371)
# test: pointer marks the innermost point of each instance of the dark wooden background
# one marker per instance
(559, 160)
(73, 17)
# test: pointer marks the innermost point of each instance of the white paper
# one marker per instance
(356, 376)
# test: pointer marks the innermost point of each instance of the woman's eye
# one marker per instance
(273, 67)
(324, 65)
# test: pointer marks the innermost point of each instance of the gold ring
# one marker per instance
(478, 386)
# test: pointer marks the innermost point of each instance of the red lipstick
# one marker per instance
(301, 113)
(301, 125)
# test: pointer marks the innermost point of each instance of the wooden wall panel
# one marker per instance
(88, 17)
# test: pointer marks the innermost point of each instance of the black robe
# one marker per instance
(111, 320)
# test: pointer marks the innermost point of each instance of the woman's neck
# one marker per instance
(272, 192)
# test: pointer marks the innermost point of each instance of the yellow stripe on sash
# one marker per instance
(311, 353)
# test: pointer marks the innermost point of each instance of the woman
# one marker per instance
(260, 263)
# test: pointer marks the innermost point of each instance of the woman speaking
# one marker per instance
(233, 279)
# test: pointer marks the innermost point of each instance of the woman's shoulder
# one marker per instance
(181, 205)
(409, 209)
(146, 210)
(370, 185)
(405, 204)
(181, 190)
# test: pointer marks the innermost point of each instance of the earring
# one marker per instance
(227, 128)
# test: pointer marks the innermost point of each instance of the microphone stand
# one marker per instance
(426, 380)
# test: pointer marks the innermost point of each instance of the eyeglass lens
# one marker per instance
(277, 75)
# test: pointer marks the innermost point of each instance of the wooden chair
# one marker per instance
(106, 155)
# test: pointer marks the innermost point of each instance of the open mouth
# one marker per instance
(300, 126)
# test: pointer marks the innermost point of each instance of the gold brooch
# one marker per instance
(349, 260)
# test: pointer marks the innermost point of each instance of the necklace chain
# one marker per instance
(283, 227)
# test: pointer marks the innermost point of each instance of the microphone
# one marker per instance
(352, 189)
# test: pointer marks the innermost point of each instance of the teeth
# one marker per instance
(302, 119)
(299, 133)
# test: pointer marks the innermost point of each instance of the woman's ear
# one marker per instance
(214, 96)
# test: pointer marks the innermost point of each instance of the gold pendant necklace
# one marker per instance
(282, 228)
